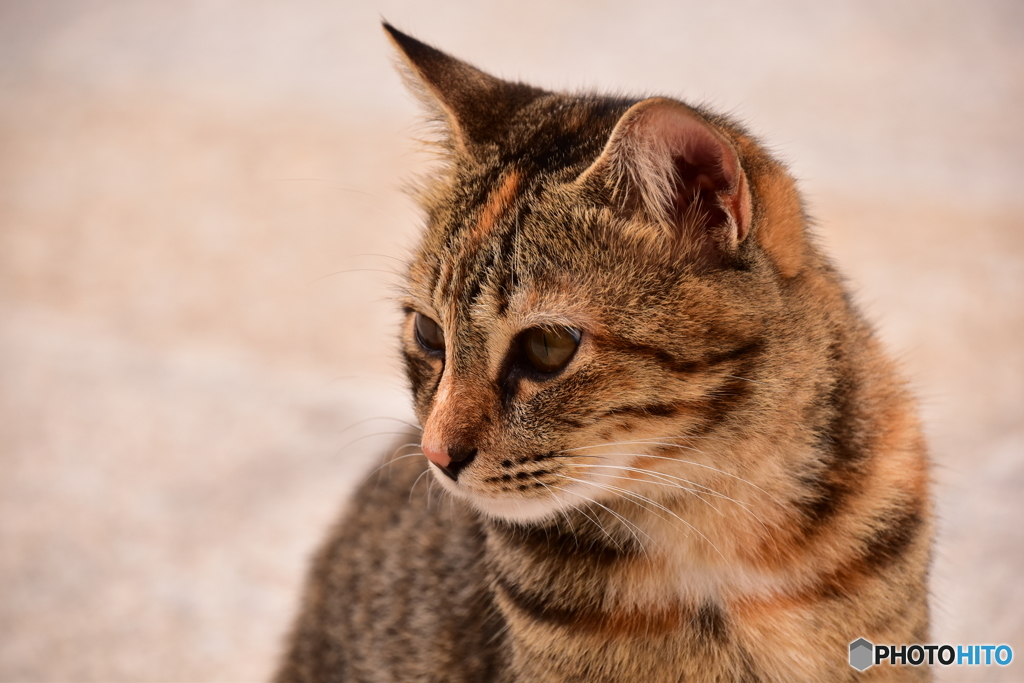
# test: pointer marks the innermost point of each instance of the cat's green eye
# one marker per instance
(429, 333)
(550, 349)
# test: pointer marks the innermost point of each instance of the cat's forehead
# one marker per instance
(515, 235)
(528, 266)
(556, 129)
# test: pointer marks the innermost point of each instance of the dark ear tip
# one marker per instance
(393, 33)
(412, 48)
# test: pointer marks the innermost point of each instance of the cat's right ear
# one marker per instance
(475, 107)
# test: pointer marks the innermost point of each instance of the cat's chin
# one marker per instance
(506, 508)
(516, 510)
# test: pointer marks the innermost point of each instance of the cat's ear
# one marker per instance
(665, 162)
(475, 107)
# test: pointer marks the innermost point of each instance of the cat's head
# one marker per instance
(591, 300)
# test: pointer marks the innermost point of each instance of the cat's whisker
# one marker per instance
(698, 464)
(649, 501)
(625, 492)
(393, 258)
(368, 436)
(392, 460)
(707, 489)
(379, 417)
(389, 462)
(697, 493)
(431, 482)
(660, 475)
(630, 442)
(672, 445)
(417, 481)
(629, 526)
(669, 484)
(345, 271)
(561, 510)
(688, 437)
(720, 471)
(609, 486)
(595, 521)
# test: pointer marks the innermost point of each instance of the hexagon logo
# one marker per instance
(862, 654)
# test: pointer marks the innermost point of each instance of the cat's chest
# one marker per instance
(549, 643)
(589, 616)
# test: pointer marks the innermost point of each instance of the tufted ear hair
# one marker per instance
(667, 165)
(475, 107)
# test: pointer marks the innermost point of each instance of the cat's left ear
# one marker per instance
(667, 163)
(476, 107)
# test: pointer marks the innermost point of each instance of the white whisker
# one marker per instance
(561, 510)
(624, 492)
(390, 461)
(380, 417)
(658, 475)
(628, 525)
(697, 493)
(413, 487)
(687, 462)
(367, 436)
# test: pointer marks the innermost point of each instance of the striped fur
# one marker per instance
(728, 481)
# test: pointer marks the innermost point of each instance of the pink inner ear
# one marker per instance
(708, 186)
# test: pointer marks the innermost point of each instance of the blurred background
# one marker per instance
(201, 219)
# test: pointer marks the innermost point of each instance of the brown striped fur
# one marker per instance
(727, 482)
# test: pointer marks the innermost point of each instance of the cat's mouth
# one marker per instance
(531, 493)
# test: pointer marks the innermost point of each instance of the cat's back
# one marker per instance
(397, 592)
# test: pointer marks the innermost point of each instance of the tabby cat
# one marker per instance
(670, 447)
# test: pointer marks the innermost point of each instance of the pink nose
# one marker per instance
(438, 456)
(449, 459)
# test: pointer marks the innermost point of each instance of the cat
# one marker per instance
(670, 447)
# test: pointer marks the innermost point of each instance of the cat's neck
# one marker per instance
(591, 588)
(618, 555)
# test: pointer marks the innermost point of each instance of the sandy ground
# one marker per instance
(201, 220)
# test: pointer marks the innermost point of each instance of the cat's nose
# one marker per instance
(436, 455)
(449, 459)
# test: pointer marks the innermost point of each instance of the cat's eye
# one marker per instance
(428, 333)
(550, 349)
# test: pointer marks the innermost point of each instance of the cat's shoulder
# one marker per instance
(397, 587)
